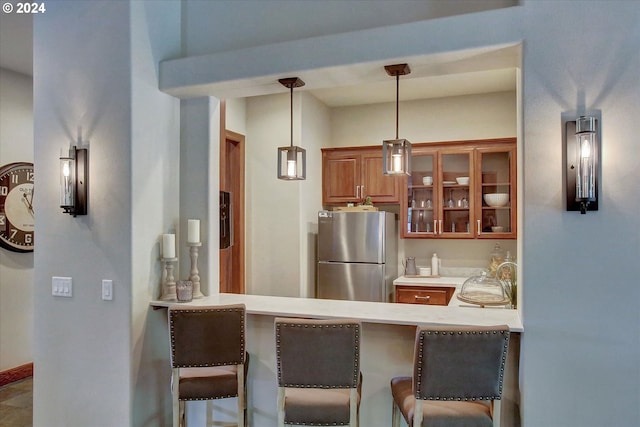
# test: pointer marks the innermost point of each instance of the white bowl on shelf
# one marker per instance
(497, 229)
(463, 180)
(496, 199)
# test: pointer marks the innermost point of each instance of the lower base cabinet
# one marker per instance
(436, 295)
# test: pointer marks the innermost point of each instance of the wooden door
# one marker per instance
(232, 265)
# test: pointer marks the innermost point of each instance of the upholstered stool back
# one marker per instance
(318, 371)
(456, 368)
(208, 356)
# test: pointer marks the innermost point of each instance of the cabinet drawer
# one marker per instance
(437, 295)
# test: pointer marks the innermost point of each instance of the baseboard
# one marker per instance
(16, 374)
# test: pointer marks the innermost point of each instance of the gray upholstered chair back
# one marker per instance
(318, 353)
(207, 336)
(459, 362)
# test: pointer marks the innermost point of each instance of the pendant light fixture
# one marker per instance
(292, 160)
(396, 153)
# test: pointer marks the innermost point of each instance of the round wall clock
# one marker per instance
(16, 207)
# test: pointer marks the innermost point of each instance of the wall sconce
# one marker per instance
(292, 160)
(582, 148)
(73, 182)
(396, 153)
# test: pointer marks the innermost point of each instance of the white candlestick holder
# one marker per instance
(168, 280)
(194, 275)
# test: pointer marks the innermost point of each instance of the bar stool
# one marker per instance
(456, 369)
(208, 357)
(319, 378)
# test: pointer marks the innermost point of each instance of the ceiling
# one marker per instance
(436, 76)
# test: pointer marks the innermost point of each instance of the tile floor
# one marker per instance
(16, 404)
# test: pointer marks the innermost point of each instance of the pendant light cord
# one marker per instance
(397, 102)
(291, 115)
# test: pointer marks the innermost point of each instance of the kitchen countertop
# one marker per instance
(430, 281)
(368, 312)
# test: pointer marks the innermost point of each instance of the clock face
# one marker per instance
(16, 207)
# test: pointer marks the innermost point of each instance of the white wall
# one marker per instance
(16, 269)
(95, 69)
(582, 323)
(251, 23)
(154, 190)
(482, 116)
(280, 213)
(316, 129)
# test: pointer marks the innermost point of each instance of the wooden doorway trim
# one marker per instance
(232, 170)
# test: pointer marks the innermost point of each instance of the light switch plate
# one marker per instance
(62, 287)
(107, 290)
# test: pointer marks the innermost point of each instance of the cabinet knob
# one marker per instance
(425, 298)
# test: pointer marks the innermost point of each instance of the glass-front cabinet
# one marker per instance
(422, 195)
(461, 190)
(496, 192)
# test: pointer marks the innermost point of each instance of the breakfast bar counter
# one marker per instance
(387, 345)
(366, 312)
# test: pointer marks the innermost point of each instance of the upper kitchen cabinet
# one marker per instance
(496, 191)
(355, 173)
(461, 190)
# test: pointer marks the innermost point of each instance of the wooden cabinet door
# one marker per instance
(456, 217)
(340, 177)
(496, 174)
(381, 188)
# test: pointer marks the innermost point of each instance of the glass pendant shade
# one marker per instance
(292, 161)
(396, 157)
(586, 153)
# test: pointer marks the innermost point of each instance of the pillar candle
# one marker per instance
(168, 246)
(193, 228)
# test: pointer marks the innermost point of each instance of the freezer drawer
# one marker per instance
(351, 281)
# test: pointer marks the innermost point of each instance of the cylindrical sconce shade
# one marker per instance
(396, 157)
(67, 183)
(292, 163)
(585, 156)
(73, 182)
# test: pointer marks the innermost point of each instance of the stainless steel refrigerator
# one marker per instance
(357, 255)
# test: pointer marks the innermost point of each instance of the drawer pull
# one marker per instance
(426, 298)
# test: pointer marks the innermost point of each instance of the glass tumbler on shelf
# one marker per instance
(450, 202)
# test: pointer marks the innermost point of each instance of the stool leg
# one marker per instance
(280, 406)
(242, 403)
(175, 384)
(395, 415)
